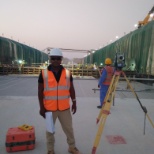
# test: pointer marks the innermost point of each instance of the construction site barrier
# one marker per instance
(5, 70)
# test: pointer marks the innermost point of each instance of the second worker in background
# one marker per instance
(105, 80)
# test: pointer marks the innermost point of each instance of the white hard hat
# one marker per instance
(55, 52)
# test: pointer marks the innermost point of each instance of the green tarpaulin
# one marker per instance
(12, 51)
(137, 46)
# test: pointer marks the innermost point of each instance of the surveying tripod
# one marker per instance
(105, 110)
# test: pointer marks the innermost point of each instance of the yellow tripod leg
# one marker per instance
(106, 99)
(114, 86)
(150, 120)
(137, 99)
(105, 113)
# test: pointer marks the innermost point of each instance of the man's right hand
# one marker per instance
(42, 112)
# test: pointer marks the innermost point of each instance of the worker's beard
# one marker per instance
(55, 66)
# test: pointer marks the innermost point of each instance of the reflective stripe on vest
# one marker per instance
(110, 72)
(56, 95)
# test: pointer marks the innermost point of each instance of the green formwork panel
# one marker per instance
(137, 46)
(12, 51)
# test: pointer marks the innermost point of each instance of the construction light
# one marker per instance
(151, 15)
(135, 25)
(117, 37)
(20, 61)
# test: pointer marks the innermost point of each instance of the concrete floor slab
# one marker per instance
(20, 106)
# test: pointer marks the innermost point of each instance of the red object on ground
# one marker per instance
(20, 140)
(116, 139)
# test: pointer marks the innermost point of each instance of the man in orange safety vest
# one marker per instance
(55, 87)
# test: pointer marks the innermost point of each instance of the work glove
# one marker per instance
(74, 108)
(42, 112)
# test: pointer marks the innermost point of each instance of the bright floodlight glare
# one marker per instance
(135, 25)
(20, 61)
(151, 15)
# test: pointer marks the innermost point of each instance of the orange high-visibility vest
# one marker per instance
(56, 95)
(110, 72)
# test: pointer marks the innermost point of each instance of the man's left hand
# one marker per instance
(74, 108)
